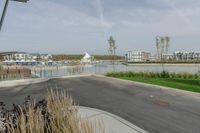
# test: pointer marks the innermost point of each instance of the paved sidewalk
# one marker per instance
(111, 123)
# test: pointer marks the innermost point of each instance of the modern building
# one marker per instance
(197, 55)
(46, 57)
(153, 58)
(167, 57)
(21, 56)
(13, 56)
(142, 56)
(8, 55)
(186, 56)
(24, 58)
(137, 56)
(34, 56)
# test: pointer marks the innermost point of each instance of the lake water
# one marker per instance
(104, 67)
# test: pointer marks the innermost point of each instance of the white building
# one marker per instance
(15, 56)
(186, 56)
(46, 57)
(34, 56)
(8, 55)
(21, 56)
(167, 57)
(153, 58)
(137, 56)
(87, 58)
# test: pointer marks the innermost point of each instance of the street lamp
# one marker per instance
(5, 9)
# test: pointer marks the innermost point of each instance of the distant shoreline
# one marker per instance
(164, 63)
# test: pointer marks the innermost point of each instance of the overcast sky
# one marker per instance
(76, 26)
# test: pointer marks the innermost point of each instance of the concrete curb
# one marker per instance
(12, 83)
(121, 120)
(153, 86)
(72, 76)
(22, 82)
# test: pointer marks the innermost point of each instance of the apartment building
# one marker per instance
(186, 56)
(167, 57)
(137, 56)
(23, 56)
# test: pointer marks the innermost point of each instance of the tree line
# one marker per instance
(79, 57)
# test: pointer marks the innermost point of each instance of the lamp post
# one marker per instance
(5, 9)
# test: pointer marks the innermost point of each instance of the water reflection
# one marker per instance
(75, 70)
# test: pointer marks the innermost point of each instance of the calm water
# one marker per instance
(105, 67)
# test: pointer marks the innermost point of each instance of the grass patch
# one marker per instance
(183, 81)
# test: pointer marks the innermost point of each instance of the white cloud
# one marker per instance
(37, 17)
(174, 20)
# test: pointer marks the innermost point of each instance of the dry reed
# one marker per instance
(56, 114)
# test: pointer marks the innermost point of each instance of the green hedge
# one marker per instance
(163, 74)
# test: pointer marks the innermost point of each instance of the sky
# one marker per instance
(77, 26)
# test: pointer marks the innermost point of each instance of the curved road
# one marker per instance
(152, 109)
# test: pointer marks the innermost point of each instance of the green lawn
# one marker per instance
(183, 84)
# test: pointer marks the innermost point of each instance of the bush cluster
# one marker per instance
(163, 74)
(56, 113)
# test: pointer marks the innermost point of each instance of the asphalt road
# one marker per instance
(152, 109)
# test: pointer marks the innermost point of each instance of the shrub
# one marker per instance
(141, 74)
(148, 74)
(173, 75)
(122, 74)
(196, 76)
(179, 75)
(184, 75)
(164, 74)
(111, 74)
(55, 114)
(152, 75)
(190, 76)
(129, 74)
(158, 75)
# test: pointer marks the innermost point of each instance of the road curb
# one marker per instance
(153, 86)
(21, 82)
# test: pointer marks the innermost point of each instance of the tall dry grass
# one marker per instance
(59, 115)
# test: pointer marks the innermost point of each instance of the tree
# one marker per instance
(158, 46)
(112, 47)
(162, 45)
(167, 39)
